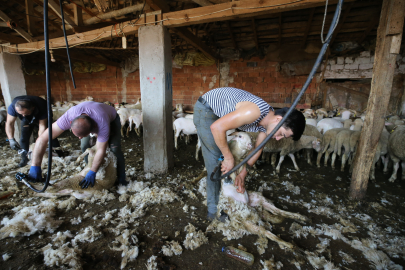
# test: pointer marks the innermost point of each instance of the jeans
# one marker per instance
(26, 130)
(203, 119)
(114, 143)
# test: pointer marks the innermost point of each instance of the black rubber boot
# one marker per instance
(24, 160)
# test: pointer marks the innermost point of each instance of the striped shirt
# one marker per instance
(223, 101)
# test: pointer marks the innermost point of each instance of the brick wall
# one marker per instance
(188, 83)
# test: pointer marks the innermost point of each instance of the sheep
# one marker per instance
(358, 125)
(58, 112)
(288, 147)
(396, 150)
(228, 138)
(342, 140)
(244, 210)
(183, 125)
(137, 105)
(137, 119)
(105, 178)
(328, 145)
(321, 113)
(381, 151)
(125, 114)
(311, 131)
(312, 122)
(309, 113)
(327, 124)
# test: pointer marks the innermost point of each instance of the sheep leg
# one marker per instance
(197, 148)
(309, 156)
(257, 199)
(138, 131)
(327, 153)
(386, 161)
(403, 170)
(318, 159)
(394, 173)
(122, 130)
(273, 159)
(293, 160)
(279, 163)
(333, 160)
(258, 230)
(344, 158)
(372, 171)
(273, 219)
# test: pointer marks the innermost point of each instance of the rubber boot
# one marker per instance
(24, 160)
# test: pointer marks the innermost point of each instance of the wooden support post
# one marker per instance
(78, 15)
(29, 11)
(389, 33)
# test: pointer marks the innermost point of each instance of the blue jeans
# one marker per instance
(203, 119)
(114, 143)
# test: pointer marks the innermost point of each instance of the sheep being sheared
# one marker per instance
(105, 178)
(245, 210)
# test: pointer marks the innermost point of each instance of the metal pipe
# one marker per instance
(67, 44)
(8, 24)
(304, 88)
(113, 14)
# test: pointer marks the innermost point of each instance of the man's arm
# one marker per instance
(42, 142)
(10, 126)
(42, 127)
(246, 113)
(99, 156)
(240, 178)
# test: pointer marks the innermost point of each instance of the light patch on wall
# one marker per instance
(224, 71)
(213, 82)
(204, 78)
(130, 65)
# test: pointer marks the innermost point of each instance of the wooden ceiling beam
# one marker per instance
(181, 18)
(56, 8)
(18, 29)
(280, 25)
(309, 23)
(78, 15)
(86, 57)
(255, 34)
(341, 22)
(372, 24)
(203, 3)
(228, 25)
(29, 12)
(11, 38)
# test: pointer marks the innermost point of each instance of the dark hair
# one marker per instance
(83, 125)
(295, 122)
(24, 104)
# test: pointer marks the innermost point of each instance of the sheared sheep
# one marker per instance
(328, 144)
(327, 124)
(185, 126)
(244, 210)
(105, 178)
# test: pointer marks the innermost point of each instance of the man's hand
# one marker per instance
(35, 173)
(227, 165)
(240, 182)
(88, 180)
(14, 144)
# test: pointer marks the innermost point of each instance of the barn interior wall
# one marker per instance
(260, 77)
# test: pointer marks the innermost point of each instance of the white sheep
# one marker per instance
(246, 209)
(185, 126)
(311, 131)
(228, 138)
(328, 145)
(396, 150)
(327, 124)
(125, 114)
(137, 119)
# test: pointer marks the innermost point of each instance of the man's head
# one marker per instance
(24, 107)
(81, 126)
(293, 126)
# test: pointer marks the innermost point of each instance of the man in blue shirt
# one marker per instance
(32, 111)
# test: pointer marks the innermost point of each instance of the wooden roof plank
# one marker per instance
(217, 12)
(18, 29)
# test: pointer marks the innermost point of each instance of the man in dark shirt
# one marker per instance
(32, 111)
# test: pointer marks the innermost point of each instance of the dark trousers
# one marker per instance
(26, 132)
(114, 143)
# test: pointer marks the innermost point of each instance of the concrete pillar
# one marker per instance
(12, 82)
(155, 72)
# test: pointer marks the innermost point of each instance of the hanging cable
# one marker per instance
(67, 44)
(301, 93)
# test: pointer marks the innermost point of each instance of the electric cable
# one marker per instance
(301, 93)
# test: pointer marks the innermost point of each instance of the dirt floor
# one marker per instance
(318, 193)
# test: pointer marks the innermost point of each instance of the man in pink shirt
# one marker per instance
(83, 119)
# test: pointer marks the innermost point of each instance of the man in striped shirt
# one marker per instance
(228, 108)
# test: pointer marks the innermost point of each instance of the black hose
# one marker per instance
(304, 88)
(67, 44)
(48, 101)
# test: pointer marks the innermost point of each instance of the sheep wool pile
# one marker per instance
(171, 248)
(194, 238)
(30, 220)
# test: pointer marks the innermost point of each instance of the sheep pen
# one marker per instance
(123, 228)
